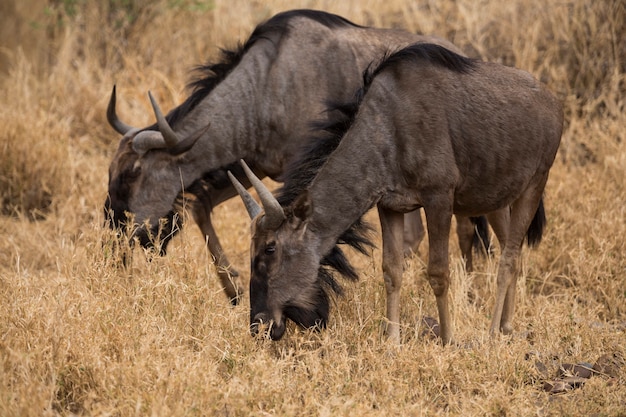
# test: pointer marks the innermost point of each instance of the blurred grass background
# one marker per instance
(80, 337)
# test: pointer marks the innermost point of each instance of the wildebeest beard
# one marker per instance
(315, 317)
(312, 315)
(317, 309)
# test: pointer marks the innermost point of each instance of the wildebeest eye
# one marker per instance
(270, 248)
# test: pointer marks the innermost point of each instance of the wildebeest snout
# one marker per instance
(263, 323)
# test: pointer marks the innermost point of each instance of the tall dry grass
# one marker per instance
(78, 336)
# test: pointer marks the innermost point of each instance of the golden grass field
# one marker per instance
(80, 336)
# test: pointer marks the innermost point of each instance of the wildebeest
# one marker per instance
(431, 129)
(255, 103)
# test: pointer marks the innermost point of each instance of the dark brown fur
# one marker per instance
(433, 130)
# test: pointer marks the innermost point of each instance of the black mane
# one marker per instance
(328, 133)
(417, 53)
(301, 171)
(211, 74)
(326, 136)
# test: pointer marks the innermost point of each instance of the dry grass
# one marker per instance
(78, 336)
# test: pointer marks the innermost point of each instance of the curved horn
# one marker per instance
(186, 144)
(119, 126)
(274, 213)
(146, 140)
(171, 139)
(252, 206)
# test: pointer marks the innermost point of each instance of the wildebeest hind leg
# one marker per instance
(413, 232)
(521, 215)
(392, 224)
(465, 233)
(439, 219)
(499, 221)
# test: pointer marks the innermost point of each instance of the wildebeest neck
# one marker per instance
(211, 74)
(325, 138)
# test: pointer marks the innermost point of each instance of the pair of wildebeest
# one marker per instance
(402, 121)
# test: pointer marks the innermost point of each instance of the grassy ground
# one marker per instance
(79, 336)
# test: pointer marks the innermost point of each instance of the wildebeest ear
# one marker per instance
(303, 206)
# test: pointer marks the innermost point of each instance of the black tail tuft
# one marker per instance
(535, 230)
(482, 241)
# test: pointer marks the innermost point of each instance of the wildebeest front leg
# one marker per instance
(229, 276)
(438, 220)
(392, 225)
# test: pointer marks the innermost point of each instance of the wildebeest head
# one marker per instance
(286, 280)
(145, 179)
(292, 276)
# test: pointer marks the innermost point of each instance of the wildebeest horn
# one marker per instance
(187, 143)
(171, 139)
(274, 213)
(153, 139)
(146, 140)
(252, 206)
(119, 126)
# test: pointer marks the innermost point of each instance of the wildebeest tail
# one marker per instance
(481, 241)
(535, 230)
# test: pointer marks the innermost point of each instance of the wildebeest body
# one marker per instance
(446, 131)
(434, 130)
